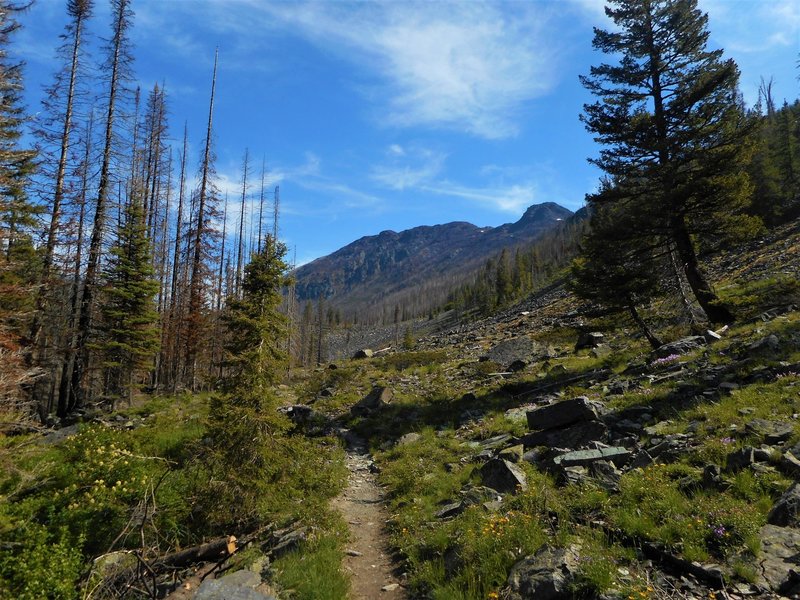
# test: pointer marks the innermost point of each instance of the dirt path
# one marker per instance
(372, 571)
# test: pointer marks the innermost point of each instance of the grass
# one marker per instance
(65, 503)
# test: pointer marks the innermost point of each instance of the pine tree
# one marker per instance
(673, 129)
(129, 332)
(616, 270)
(19, 261)
(244, 420)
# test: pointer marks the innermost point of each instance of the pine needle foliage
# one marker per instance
(674, 132)
(246, 455)
(131, 336)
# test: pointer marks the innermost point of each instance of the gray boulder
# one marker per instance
(563, 413)
(520, 350)
(780, 547)
(589, 339)
(378, 398)
(786, 511)
(573, 436)
(546, 575)
(583, 458)
(681, 346)
(241, 585)
(503, 476)
(770, 432)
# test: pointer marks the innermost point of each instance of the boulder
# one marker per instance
(769, 432)
(573, 436)
(740, 459)
(520, 350)
(681, 346)
(786, 511)
(408, 438)
(512, 453)
(241, 585)
(771, 343)
(582, 458)
(378, 398)
(600, 351)
(606, 475)
(503, 476)
(779, 549)
(562, 413)
(546, 575)
(589, 339)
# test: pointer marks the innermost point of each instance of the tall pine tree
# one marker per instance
(129, 332)
(673, 129)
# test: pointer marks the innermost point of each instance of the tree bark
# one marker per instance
(715, 311)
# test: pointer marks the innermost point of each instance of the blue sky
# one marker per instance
(393, 114)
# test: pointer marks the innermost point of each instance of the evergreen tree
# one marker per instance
(673, 129)
(244, 421)
(129, 332)
(615, 270)
(19, 261)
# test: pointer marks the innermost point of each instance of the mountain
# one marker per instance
(389, 268)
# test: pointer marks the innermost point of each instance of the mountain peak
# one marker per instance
(377, 269)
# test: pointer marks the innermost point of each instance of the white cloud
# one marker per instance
(465, 66)
(513, 198)
(408, 167)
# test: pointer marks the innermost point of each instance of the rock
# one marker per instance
(497, 441)
(513, 453)
(790, 464)
(409, 438)
(606, 475)
(770, 432)
(562, 413)
(503, 476)
(600, 351)
(514, 351)
(390, 587)
(779, 549)
(546, 575)
(589, 339)
(726, 387)
(712, 477)
(286, 540)
(450, 510)
(299, 414)
(786, 511)
(578, 458)
(478, 494)
(740, 459)
(681, 346)
(771, 343)
(378, 398)
(573, 436)
(240, 585)
(363, 353)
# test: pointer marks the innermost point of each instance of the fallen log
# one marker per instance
(215, 550)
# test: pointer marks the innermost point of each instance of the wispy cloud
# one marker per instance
(513, 198)
(466, 66)
(408, 167)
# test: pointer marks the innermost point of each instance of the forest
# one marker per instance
(124, 278)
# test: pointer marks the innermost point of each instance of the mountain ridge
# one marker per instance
(374, 269)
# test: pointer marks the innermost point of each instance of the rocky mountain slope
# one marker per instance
(523, 458)
(375, 269)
